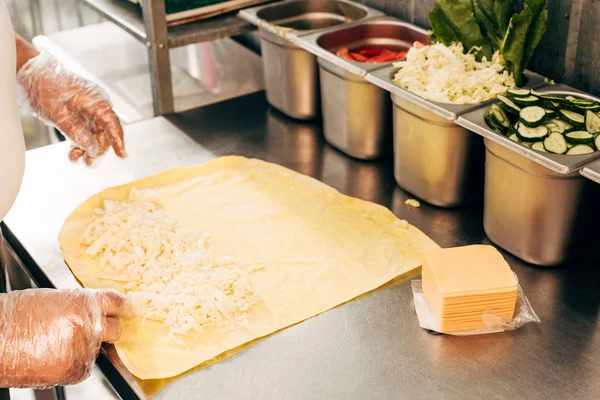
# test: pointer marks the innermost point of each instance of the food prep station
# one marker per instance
(537, 207)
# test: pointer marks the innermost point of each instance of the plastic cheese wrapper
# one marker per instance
(494, 323)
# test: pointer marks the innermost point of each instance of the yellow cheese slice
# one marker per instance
(318, 249)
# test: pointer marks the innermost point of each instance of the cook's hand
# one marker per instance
(77, 107)
(52, 337)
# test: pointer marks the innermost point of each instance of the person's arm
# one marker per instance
(25, 51)
(76, 106)
(52, 337)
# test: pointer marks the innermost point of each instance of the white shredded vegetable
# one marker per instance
(169, 272)
(445, 74)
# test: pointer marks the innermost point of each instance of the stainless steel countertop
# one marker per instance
(372, 348)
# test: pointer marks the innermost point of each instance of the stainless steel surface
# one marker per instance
(291, 79)
(541, 216)
(386, 32)
(370, 348)
(129, 17)
(291, 74)
(592, 171)
(357, 115)
(201, 74)
(562, 164)
(435, 159)
(384, 79)
(158, 56)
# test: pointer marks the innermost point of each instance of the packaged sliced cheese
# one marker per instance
(469, 290)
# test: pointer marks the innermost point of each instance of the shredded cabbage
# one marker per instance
(447, 75)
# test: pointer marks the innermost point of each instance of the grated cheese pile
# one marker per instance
(445, 74)
(169, 272)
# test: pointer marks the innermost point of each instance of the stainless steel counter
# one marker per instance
(371, 348)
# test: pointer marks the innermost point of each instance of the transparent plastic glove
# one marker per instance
(77, 107)
(52, 337)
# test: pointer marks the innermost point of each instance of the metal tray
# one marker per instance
(563, 164)
(592, 171)
(383, 79)
(385, 30)
(296, 18)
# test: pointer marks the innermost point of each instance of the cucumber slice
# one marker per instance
(580, 149)
(555, 143)
(539, 146)
(525, 101)
(594, 108)
(495, 125)
(514, 138)
(571, 117)
(579, 137)
(519, 92)
(570, 98)
(592, 122)
(562, 125)
(508, 106)
(553, 127)
(549, 113)
(597, 141)
(552, 97)
(498, 115)
(532, 116)
(528, 134)
(583, 102)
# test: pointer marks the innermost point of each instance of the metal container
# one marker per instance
(357, 115)
(537, 205)
(291, 73)
(435, 159)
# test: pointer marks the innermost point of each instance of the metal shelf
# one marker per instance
(128, 16)
(148, 24)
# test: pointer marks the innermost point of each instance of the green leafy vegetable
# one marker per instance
(456, 21)
(493, 17)
(487, 26)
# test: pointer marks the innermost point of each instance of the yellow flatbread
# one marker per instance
(318, 247)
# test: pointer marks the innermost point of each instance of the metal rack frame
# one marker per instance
(150, 27)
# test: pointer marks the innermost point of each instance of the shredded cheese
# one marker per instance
(170, 273)
(412, 203)
(445, 74)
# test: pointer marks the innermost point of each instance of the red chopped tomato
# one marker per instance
(343, 52)
(370, 55)
(359, 57)
(370, 52)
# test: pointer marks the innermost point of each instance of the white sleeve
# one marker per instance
(12, 143)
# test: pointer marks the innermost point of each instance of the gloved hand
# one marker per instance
(77, 107)
(52, 337)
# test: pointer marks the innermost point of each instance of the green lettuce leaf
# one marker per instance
(493, 17)
(454, 20)
(525, 30)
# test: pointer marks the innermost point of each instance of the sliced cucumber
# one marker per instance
(532, 116)
(597, 141)
(562, 125)
(519, 92)
(528, 134)
(583, 102)
(499, 115)
(595, 107)
(592, 122)
(539, 146)
(549, 113)
(525, 101)
(495, 125)
(579, 137)
(580, 149)
(553, 126)
(571, 117)
(508, 105)
(554, 98)
(514, 138)
(555, 143)
(570, 98)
